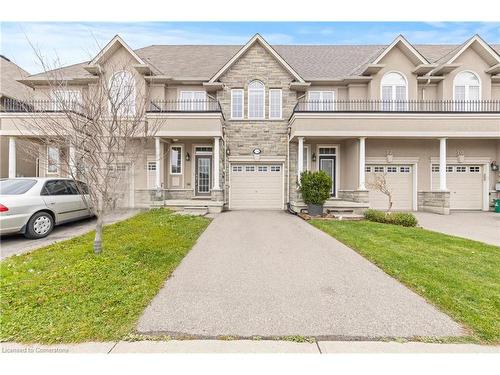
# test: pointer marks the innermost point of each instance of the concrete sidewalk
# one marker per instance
(248, 346)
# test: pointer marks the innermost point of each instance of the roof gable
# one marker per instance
(481, 47)
(112, 46)
(416, 57)
(256, 39)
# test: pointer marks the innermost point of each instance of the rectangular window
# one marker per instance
(256, 104)
(392, 169)
(176, 160)
(151, 166)
(327, 150)
(52, 160)
(237, 168)
(449, 168)
(404, 169)
(68, 100)
(237, 104)
(368, 169)
(435, 168)
(320, 100)
(275, 168)
(262, 168)
(378, 169)
(474, 169)
(460, 168)
(250, 168)
(192, 100)
(275, 104)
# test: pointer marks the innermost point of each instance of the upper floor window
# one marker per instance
(256, 100)
(66, 99)
(122, 93)
(320, 100)
(394, 91)
(192, 100)
(275, 104)
(237, 104)
(466, 87)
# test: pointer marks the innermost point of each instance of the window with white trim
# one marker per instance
(467, 86)
(262, 168)
(192, 100)
(449, 168)
(394, 92)
(435, 168)
(392, 169)
(176, 160)
(256, 100)
(52, 160)
(275, 104)
(275, 168)
(460, 168)
(237, 168)
(378, 169)
(122, 93)
(320, 100)
(250, 168)
(368, 169)
(404, 169)
(237, 104)
(474, 169)
(66, 99)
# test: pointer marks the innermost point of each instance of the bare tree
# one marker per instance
(379, 183)
(100, 128)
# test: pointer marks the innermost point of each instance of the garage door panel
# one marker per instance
(256, 186)
(399, 181)
(465, 183)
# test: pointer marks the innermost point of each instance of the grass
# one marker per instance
(459, 276)
(65, 293)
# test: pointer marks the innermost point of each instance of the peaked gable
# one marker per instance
(481, 47)
(111, 47)
(416, 57)
(256, 39)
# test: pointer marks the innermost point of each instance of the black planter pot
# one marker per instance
(315, 209)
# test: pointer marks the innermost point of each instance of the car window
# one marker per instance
(15, 187)
(72, 187)
(82, 187)
(58, 187)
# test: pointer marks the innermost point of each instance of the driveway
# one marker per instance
(18, 244)
(269, 273)
(479, 226)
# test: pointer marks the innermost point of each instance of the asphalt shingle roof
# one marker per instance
(9, 74)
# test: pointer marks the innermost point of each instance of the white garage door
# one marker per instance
(465, 183)
(256, 186)
(398, 180)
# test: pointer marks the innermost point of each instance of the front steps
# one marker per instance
(194, 206)
(336, 207)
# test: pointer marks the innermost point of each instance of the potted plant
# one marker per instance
(316, 188)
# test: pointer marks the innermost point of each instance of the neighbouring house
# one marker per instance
(243, 122)
(11, 92)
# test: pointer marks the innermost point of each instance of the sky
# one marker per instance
(69, 43)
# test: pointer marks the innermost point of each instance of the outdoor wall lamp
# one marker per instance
(494, 166)
(188, 157)
(313, 157)
(228, 151)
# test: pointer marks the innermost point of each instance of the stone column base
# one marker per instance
(437, 202)
(218, 195)
(360, 196)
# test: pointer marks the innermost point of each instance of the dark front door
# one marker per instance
(327, 164)
(203, 174)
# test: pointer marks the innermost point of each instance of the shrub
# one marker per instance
(315, 187)
(404, 219)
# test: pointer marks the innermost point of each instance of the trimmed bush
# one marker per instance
(315, 187)
(404, 219)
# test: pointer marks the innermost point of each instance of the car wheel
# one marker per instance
(39, 225)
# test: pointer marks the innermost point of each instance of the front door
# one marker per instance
(327, 164)
(203, 174)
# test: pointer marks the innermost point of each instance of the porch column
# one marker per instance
(158, 160)
(72, 161)
(442, 164)
(12, 157)
(216, 156)
(361, 165)
(300, 157)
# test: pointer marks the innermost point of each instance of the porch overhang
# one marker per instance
(411, 125)
(188, 125)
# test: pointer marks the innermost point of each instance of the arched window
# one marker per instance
(466, 87)
(394, 91)
(122, 93)
(256, 100)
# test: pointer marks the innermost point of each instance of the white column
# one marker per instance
(12, 157)
(72, 161)
(216, 156)
(361, 164)
(442, 164)
(300, 157)
(158, 159)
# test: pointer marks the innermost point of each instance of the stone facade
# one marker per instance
(360, 196)
(434, 201)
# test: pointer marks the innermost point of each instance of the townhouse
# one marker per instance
(241, 123)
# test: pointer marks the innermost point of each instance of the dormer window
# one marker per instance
(256, 100)
(467, 87)
(394, 92)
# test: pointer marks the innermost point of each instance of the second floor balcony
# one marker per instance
(186, 106)
(398, 106)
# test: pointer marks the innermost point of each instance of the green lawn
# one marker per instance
(461, 277)
(65, 293)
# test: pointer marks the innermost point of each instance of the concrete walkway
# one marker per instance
(18, 244)
(248, 346)
(271, 274)
(474, 225)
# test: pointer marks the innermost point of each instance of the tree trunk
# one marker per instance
(98, 235)
(390, 204)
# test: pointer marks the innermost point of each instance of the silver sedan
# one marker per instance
(33, 206)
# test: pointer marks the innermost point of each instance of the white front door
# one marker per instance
(203, 177)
